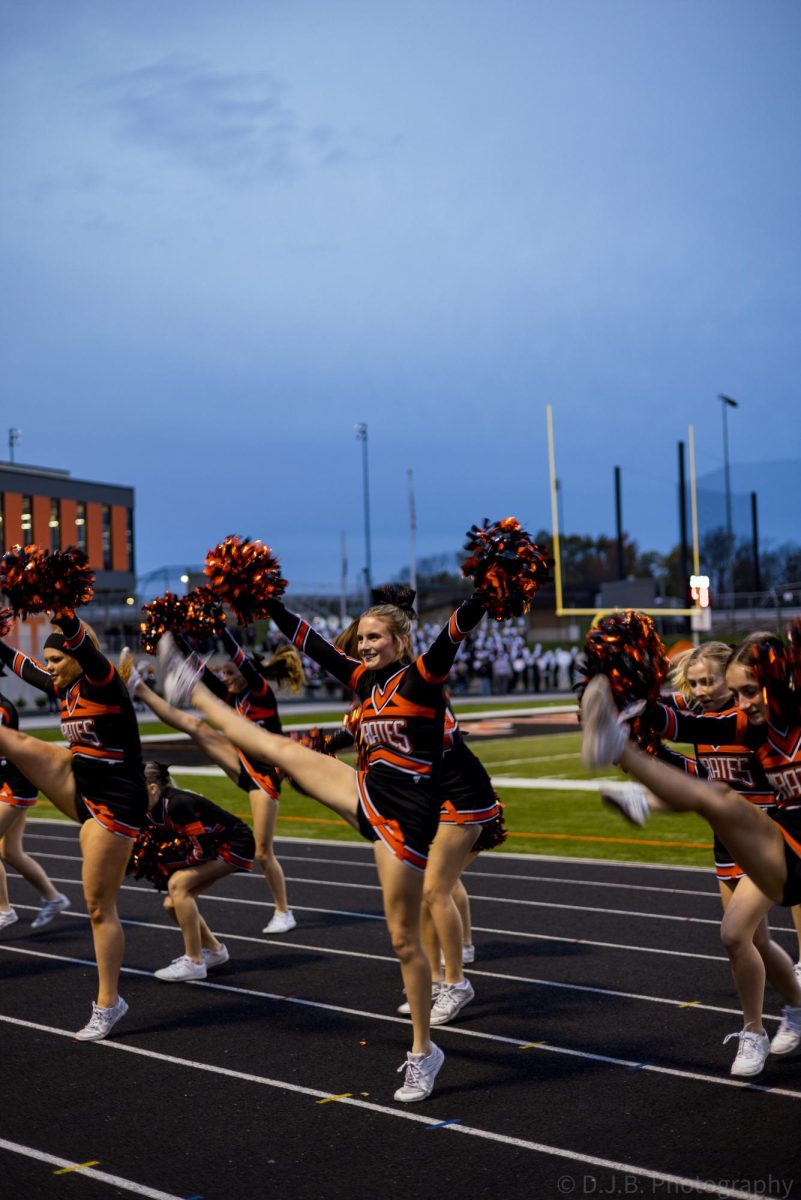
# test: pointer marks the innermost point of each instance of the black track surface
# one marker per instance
(214, 1089)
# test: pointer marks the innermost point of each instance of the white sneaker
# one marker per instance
(752, 1053)
(179, 674)
(49, 910)
(127, 672)
(8, 918)
(604, 736)
(797, 971)
(436, 988)
(215, 958)
(450, 1001)
(181, 969)
(101, 1021)
(788, 1036)
(421, 1071)
(468, 955)
(281, 922)
(628, 798)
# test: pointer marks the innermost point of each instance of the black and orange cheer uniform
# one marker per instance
(257, 703)
(15, 789)
(209, 832)
(401, 729)
(733, 764)
(99, 724)
(776, 746)
(468, 797)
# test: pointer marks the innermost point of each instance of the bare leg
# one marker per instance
(265, 815)
(431, 943)
(403, 892)
(446, 860)
(750, 835)
(12, 828)
(213, 744)
(743, 921)
(462, 902)
(207, 939)
(184, 888)
(795, 912)
(48, 767)
(105, 857)
(326, 779)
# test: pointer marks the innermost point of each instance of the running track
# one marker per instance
(590, 1062)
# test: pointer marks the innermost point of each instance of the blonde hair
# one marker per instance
(347, 640)
(285, 666)
(399, 624)
(713, 652)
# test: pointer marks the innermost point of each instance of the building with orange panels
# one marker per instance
(50, 508)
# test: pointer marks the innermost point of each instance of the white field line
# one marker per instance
(572, 1156)
(503, 976)
(474, 896)
(126, 1185)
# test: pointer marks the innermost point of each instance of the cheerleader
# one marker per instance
(245, 685)
(768, 848)
(469, 809)
(98, 782)
(700, 678)
(394, 801)
(187, 843)
(17, 795)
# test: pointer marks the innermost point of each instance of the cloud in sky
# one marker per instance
(230, 237)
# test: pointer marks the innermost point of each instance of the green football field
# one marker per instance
(550, 817)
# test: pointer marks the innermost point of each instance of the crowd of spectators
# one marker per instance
(495, 659)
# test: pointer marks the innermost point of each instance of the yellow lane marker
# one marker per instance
(328, 1099)
(78, 1167)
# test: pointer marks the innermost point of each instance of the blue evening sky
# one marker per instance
(230, 231)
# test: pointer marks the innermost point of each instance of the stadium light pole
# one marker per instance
(361, 436)
(728, 403)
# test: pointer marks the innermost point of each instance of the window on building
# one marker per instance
(129, 538)
(26, 523)
(55, 525)
(80, 525)
(106, 537)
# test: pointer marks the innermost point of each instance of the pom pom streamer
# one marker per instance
(777, 669)
(157, 852)
(245, 575)
(37, 580)
(506, 566)
(6, 620)
(203, 615)
(626, 648)
(167, 612)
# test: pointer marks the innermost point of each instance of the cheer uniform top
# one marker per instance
(99, 724)
(210, 831)
(401, 729)
(776, 746)
(257, 703)
(15, 789)
(468, 795)
(733, 764)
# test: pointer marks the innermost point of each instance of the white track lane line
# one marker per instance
(459, 1031)
(126, 1185)
(525, 934)
(592, 909)
(502, 976)
(664, 1179)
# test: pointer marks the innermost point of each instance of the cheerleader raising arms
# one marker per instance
(98, 782)
(394, 801)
